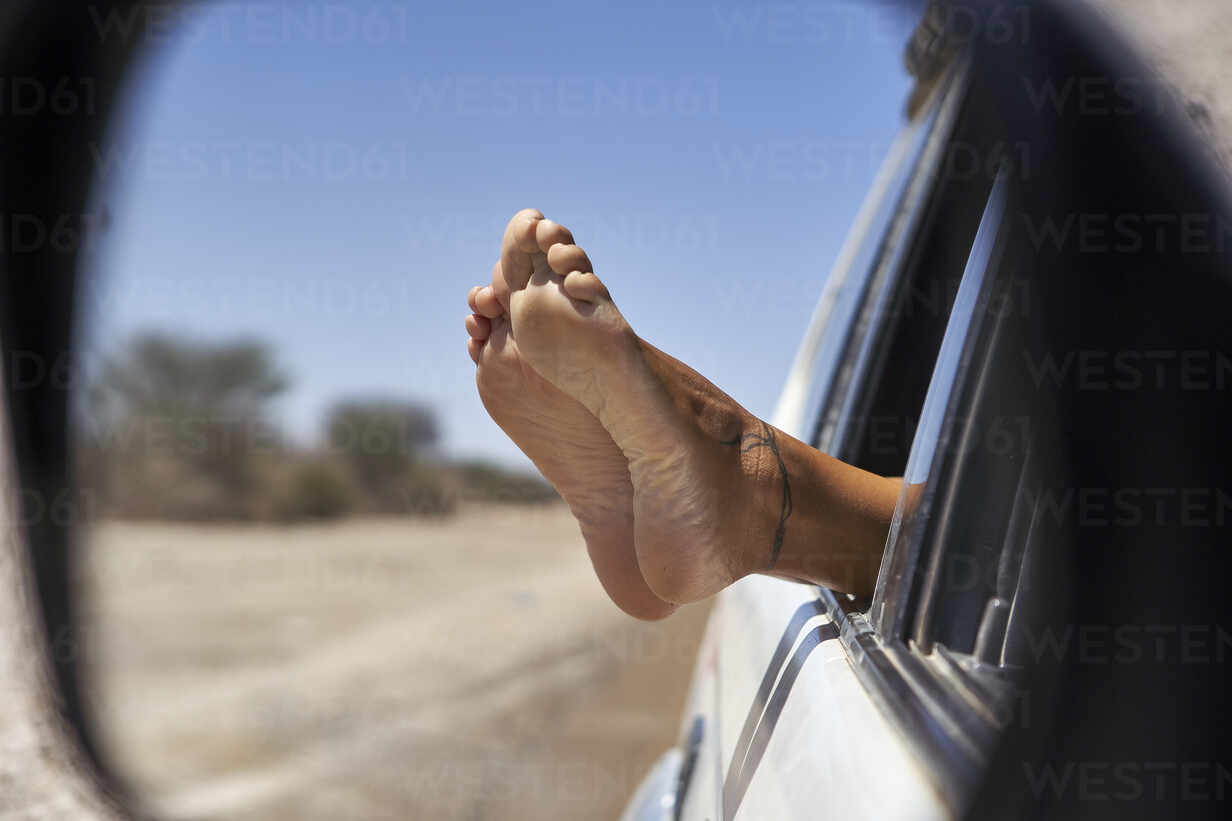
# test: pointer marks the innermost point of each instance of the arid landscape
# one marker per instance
(467, 667)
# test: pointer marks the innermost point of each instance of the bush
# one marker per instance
(381, 440)
(315, 489)
(486, 482)
(427, 492)
(181, 429)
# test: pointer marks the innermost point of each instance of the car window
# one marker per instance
(940, 397)
(936, 433)
(822, 364)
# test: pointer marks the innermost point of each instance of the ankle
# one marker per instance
(757, 502)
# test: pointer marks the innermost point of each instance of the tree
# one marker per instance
(158, 373)
(385, 443)
(179, 425)
(381, 438)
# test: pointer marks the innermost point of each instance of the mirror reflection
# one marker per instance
(320, 581)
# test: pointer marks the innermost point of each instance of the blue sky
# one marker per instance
(334, 176)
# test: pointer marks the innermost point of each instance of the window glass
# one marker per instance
(938, 430)
(976, 520)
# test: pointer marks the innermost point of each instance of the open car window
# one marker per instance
(934, 389)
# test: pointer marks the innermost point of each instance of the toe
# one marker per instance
(548, 233)
(568, 257)
(470, 297)
(585, 286)
(499, 287)
(486, 303)
(479, 327)
(498, 340)
(474, 347)
(518, 246)
(525, 224)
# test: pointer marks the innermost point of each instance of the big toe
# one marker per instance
(519, 248)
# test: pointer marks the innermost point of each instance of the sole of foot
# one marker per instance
(690, 539)
(566, 443)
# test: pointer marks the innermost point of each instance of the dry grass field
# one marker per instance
(374, 669)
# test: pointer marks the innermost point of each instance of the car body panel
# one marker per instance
(824, 738)
(788, 725)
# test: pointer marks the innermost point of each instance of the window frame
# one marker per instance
(867, 264)
(909, 568)
(952, 717)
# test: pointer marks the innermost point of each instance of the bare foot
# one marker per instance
(572, 334)
(714, 488)
(568, 446)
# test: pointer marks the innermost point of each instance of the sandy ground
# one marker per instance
(377, 669)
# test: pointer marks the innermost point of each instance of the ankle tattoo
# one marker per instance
(767, 439)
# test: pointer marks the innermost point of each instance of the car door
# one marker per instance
(804, 697)
(786, 664)
(1008, 329)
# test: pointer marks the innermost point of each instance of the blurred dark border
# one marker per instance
(1150, 162)
(46, 173)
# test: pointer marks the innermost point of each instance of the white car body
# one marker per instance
(778, 723)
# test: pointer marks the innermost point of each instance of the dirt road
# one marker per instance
(377, 669)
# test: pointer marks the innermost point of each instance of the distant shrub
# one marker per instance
(486, 482)
(178, 428)
(315, 489)
(427, 492)
(381, 439)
